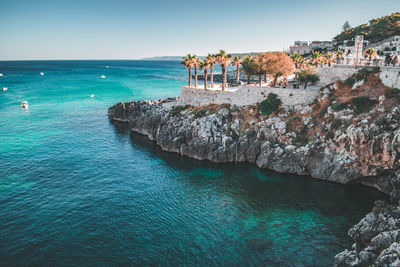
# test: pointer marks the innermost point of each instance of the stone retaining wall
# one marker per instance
(390, 76)
(245, 95)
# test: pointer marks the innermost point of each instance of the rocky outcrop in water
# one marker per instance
(376, 237)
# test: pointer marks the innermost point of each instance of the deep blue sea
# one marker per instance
(77, 190)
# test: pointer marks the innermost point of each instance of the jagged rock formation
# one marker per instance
(365, 151)
(376, 237)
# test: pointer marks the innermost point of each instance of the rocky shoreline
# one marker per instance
(376, 239)
(338, 144)
(365, 153)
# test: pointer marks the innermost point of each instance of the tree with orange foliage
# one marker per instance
(277, 64)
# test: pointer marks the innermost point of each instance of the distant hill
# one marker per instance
(201, 57)
(375, 31)
(163, 58)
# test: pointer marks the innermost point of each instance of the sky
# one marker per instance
(131, 29)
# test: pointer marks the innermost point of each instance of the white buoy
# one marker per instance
(92, 95)
(42, 73)
(103, 76)
(4, 89)
(25, 104)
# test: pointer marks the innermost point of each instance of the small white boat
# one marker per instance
(25, 104)
(42, 73)
(106, 67)
(103, 76)
(1, 74)
(92, 95)
(4, 89)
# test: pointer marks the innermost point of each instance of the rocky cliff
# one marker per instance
(338, 146)
(349, 134)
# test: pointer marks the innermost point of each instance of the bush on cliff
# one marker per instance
(393, 93)
(339, 106)
(176, 110)
(269, 105)
(362, 104)
(361, 75)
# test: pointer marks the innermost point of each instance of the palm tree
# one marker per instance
(224, 60)
(212, 59)
(188, 62)
(298, 60)
(204, 66)
(339, 55)
(195, 65)
(316, 58)
(236, 62)
(370, 52)
(307, 76)
(329, 59)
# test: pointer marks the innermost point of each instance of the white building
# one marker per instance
(307, 47)
(388, 46)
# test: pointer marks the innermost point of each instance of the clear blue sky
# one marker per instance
(130, 29)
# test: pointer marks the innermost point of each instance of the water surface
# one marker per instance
(76, 189)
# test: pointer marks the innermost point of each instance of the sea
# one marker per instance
(78, 190)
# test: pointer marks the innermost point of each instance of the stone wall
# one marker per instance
(390, 76)
(245, 95)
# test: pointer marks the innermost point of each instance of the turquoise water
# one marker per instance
(78, 190)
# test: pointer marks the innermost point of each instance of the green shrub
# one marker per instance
(350, 81)
(233, 134)
(234, 108)
(294, 118)
(361, 75)
(176, 110)
(332, 98)
(336, 123)
(339, 106)
(382, 121)
(200, 113)
(393, 93)
(362, 104)
(269, 105)
(376, 69)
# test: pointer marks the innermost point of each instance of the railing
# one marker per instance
(344, 66)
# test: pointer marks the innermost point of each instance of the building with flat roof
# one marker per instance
(307, 47)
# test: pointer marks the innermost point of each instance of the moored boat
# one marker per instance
(4, 89)
(25, 104)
